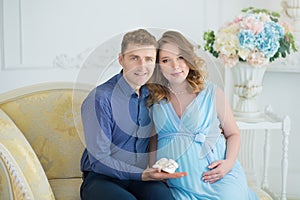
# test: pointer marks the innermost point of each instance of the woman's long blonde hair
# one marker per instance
(158, 84)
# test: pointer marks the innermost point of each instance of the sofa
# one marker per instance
(41, 142)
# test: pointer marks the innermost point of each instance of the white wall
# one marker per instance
(42, 37)
(43, 41)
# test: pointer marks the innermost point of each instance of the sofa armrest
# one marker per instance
(21, 163)
(13, 179)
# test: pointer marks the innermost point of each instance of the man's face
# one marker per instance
(138, 64)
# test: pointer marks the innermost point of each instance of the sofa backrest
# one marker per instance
(49, 117)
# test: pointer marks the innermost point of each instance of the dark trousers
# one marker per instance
(97, 187)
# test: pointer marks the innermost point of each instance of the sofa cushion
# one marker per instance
(66, 189)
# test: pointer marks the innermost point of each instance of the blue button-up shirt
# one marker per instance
(117, 128)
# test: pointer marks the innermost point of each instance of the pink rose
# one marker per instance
(229, 61)
(253, 24)
(257, 59)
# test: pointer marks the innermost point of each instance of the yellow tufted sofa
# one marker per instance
(40, 147)
(41, 142)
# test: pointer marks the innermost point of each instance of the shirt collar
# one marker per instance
(127, 90)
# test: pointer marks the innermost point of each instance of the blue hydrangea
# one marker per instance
(267, 41)
(275, 28)
(246, 39)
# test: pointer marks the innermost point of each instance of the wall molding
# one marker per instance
(64, 61)
(4, 20)
(61, 61)
(286, 66)
(2, 58)
(20, 33)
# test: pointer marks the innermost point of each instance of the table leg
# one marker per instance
(265, 184)
(284, 163)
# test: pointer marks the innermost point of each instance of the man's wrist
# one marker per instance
(136, 176)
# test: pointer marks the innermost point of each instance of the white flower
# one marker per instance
(244, 53)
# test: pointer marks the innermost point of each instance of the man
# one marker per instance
(117, 128)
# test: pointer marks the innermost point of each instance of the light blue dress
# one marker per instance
(194, 141)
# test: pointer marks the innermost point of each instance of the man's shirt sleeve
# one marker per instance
(98, 129)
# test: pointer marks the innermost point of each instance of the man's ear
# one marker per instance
(121, 59)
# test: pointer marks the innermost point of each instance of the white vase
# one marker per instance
(247, 86)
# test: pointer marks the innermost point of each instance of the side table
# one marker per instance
(269, 121)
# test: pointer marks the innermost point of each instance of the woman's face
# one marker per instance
(172, 64)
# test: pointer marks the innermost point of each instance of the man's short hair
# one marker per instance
(139, 37)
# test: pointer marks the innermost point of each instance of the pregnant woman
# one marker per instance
(194, 126)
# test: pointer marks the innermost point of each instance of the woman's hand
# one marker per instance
(218, 170)
(152, 174)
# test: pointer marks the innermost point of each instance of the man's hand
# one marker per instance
(152, 174)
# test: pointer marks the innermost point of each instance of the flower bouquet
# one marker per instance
(247, 44)
(256, 37)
